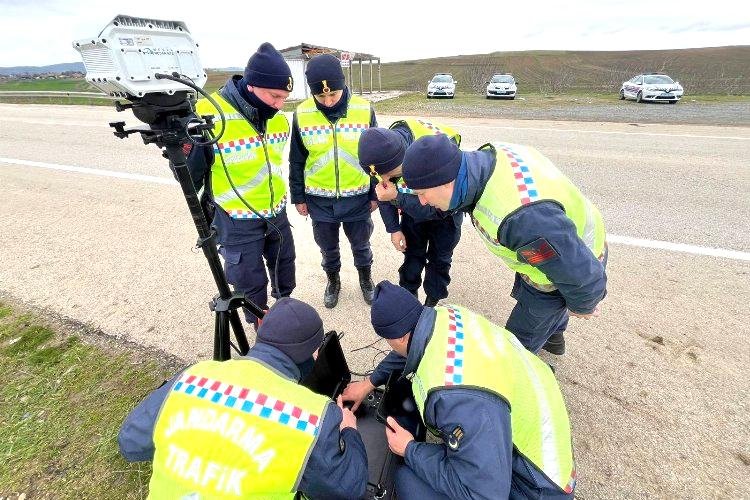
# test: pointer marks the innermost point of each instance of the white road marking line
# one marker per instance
(92, 171)
(611, 238)
(54, 122)
(608, 132)
(678, 247)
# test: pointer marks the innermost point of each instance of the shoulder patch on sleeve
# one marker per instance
(454, 438)
(537, 252)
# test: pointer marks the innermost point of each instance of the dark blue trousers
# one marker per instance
(409, 486)
(429, 248)
(245, 268)
(358, 233)
(537, 315)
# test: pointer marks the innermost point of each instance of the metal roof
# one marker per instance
(308, 50)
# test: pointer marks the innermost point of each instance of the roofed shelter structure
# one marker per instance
(298, 56)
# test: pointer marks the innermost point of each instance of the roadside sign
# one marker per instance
(346, 59)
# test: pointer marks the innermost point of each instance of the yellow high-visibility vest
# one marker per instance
(468, 351)
(234, 429)
(522, 176)
(253, 161)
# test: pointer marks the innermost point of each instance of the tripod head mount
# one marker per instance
(168, 119)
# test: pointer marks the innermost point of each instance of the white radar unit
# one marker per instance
(125, 57)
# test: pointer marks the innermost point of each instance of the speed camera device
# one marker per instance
(131, 54)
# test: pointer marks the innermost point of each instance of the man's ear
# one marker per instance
(250, 88)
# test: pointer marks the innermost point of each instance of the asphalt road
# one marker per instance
(657, 387)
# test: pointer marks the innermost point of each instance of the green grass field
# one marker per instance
(61, 404)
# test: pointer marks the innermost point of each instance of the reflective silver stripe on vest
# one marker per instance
(589, 229)
(550, 460)
(358, 106)
(489, 215)
(234, 116)
(329, 156)
(249, 185)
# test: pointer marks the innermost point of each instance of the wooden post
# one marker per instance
(369, 63)
(380, 81)
(361, 78)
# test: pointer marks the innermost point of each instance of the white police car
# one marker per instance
(501, 85)
(656, 87)
(441, 85)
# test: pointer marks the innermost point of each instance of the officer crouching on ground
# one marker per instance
(425, 235)
(325, 180)
(250, 155)
(467, 374)
(245, 428)
(532, 217)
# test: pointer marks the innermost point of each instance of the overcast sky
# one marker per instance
(40, 33)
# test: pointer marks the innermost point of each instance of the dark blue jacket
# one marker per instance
(578, 275)
(329, 473)
(409, 203)
(201, 158)
(485, 465)
(349, 209)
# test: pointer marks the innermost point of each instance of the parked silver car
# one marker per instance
(441, 85)
(502, 85)
(652, 87)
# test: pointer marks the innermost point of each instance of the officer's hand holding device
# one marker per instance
(398, 437)
(348, 419)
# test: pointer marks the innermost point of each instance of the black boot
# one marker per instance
(430, 301)
(331, 294)
(366, 284)
(555, 344)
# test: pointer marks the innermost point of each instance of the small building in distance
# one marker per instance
(298, 56)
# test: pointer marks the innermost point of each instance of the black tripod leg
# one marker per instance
(221, 337)
(239, 332)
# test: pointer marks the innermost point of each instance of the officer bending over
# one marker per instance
(532, 218)
(467, 374)
(425, 235)
(244, 428)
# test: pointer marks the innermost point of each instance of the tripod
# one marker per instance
(170, 121)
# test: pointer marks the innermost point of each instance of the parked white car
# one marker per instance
(502, 85)
(652, 87)
(441, 85)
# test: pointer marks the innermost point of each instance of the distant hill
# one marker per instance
(35, 70)
(710, 70)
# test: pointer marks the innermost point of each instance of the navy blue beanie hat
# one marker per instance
(293, 327)
(380, 149)
(268, 69)
(431, 161)
(324, 74)
(395, 311)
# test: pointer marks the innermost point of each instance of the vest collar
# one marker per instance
(479, 168)
(420, 337)
(232, 95)
(275, 359)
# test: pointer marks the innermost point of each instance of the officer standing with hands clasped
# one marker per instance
(244, 428)
(324, 175)
(532, 217)
(424, 234)
(244, 168)
(466, 375)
